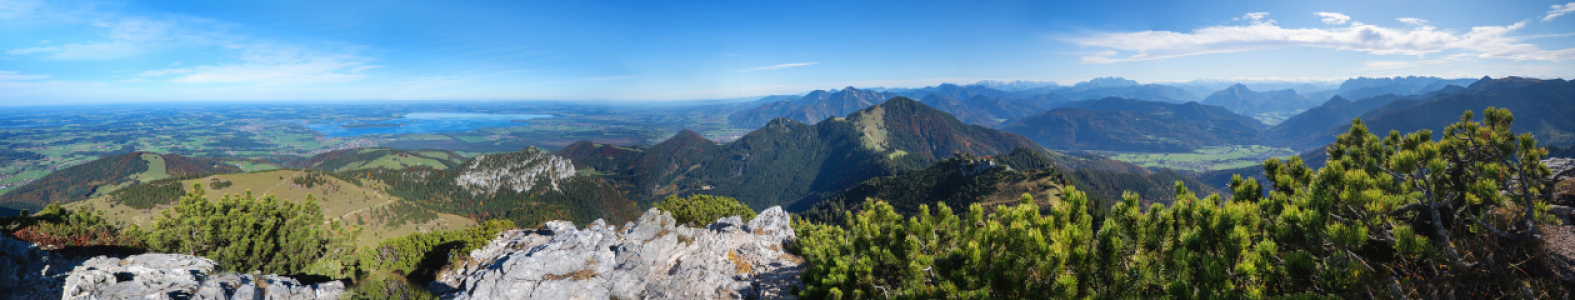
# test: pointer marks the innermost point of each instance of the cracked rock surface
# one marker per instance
(651, 258)
(176, 276)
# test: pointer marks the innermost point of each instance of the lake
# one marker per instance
(420, 122)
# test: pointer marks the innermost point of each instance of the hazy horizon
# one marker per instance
(139, 52)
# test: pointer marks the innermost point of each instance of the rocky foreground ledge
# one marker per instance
(28, 273)
(651, 258)
(176, 276)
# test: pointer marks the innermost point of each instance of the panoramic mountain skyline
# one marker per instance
(114, 51)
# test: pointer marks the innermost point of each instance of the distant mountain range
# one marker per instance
(1364, 87)
(1119, 124)
(1239, 99)
(1541, 107)
(814, 107)
(1015, 85)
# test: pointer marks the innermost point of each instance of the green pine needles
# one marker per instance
(698, 210)
(1397, 217)
(244, 233)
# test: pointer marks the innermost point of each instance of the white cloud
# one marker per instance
(128, 37)
(17, 9)
(270, 64)
(1412, 21)
(26, 51)
(1559, 10)
(1332, 18)
(14, 76)
(1482, 41)
(1254, 18)
(1107, 53)
(778, 67)
(1388, 65)
(157, 73)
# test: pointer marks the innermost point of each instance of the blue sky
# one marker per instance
(112, 51)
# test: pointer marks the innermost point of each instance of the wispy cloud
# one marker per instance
(1332, 18)
(126, 37)
(16, 9)
(273, 64)
(1262, 33)
(1412, 21)
(253, 60)
(1559, 10)
(778, 67)
(16, 76)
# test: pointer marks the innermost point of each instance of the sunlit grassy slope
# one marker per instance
(356, 206)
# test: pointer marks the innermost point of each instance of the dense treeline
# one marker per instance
(1394, 217)
(8, 156)
(1568, 151)
(153, 193)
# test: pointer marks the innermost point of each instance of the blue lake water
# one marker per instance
(425, 122)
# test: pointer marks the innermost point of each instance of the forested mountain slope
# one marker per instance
(104, 175)
(991, 181)
(1137, 125)
(528, 187)
(786, 161)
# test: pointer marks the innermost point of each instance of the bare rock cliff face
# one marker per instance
(519, 171)
(651, 258)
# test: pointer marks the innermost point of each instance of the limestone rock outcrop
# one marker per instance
(651, 258)
(176, 276)
(517, 171)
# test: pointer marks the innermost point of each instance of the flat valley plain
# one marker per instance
(1204, 159)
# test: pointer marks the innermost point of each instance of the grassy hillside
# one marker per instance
(371, 158)
(379, 215)
(1206, 158)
